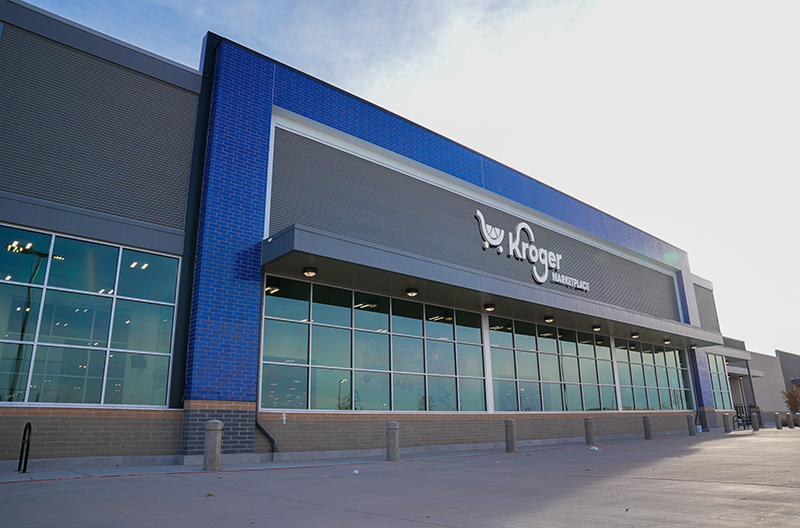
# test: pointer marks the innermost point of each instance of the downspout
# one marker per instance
(271, 438)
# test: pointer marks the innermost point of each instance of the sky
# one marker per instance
(681, 118)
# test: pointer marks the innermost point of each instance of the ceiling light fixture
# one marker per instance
(549, 318)
(667, 341)
(635, 335)
(310, 272)
(412, 292)
(596, 328)
(488, 307)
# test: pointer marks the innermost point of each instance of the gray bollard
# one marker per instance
(754, 421)
(727, 422)
(790, 420)
(392, 441)
(648, 427)
(778, 424)
(511, 435)
(212, 456)
(588, 427)
(690, 425)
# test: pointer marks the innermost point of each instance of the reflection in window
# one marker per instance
(46, 311)
(500, 334)
(330, 346)
(67, 375)
(15, 362)
(371, 350)
(371, 391)
(468, 327)
(442, 393)
(285, 342)
(407, 354)
(409, 392)
(137, 379)
(142, 326)
(470, 360)
(440, 357)
(371, 312)
(438, 323)
(505, 395)
(286, 299)
(83, 266)
(330, 389)
(284, 387)
(23, 255)
(75, 319)
(406, 317)
(470, 393)
(19, 310)
(331, 306)
(147, 276)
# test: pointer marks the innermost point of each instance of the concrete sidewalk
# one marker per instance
(739, 479)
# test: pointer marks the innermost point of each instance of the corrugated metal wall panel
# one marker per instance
(84, 132)
(707, 308)
(323, 187)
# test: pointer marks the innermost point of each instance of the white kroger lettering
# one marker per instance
(522, 249)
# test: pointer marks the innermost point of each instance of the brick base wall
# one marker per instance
(58, 432)
(238, 425)
(339, 431)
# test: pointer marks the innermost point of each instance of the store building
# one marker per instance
(251, 244)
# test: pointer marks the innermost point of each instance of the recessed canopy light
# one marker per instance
(635, 335)
(667, 341)
(596, 328)
(310, 272)
(488, 307)
(412, 292)
(693, 346)
(549, 318)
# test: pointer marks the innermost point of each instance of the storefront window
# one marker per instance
(98, 330)
(368, 352)
(719, 382)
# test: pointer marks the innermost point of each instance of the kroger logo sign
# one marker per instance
(521, 245)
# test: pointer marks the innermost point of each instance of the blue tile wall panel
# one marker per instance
(224, 330)
(223, 348)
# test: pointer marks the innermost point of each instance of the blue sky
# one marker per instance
(679, 117)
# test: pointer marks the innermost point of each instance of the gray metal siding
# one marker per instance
(707, 308)
(80, 131)
(323, 187)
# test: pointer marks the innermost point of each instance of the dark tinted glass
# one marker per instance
(148, 276)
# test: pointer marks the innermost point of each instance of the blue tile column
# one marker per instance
(702, 389)
(223, 351)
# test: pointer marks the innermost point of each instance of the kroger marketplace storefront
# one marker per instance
(318, 267)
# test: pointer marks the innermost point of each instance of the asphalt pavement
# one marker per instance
(742, 478)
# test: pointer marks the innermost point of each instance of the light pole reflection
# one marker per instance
(36, 264)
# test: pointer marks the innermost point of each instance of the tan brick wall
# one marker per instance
(59, 432)
(344, 431)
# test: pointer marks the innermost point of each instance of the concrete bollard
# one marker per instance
(778, 424)
(690, 425)
(754, 421)
(511, 435)
(212, 455)
(790, 420)
(648, 427)
(727, 422)
(392, 441)
(588, 427)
